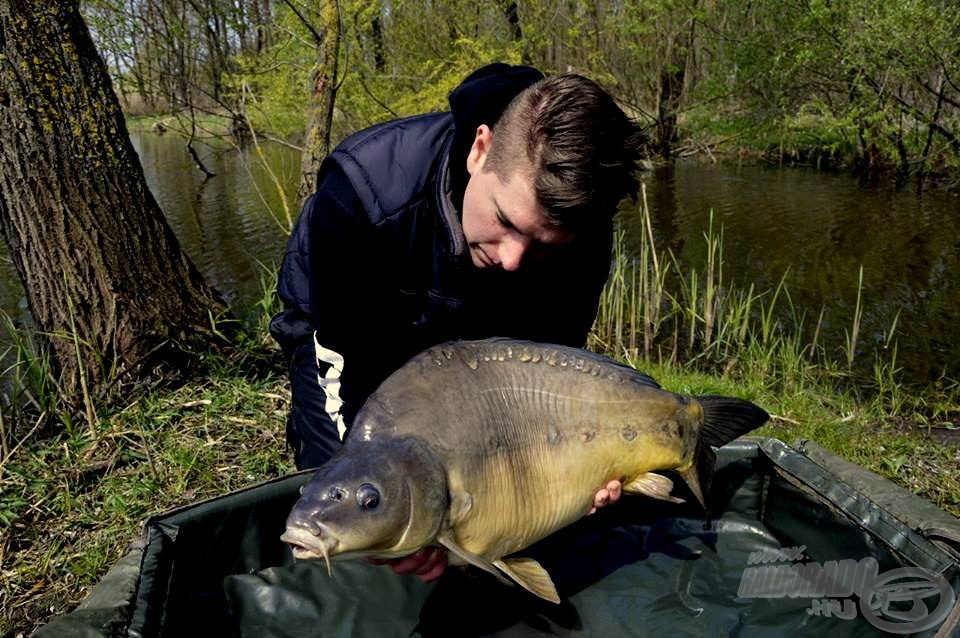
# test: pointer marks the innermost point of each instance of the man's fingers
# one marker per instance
(610, 493)
(434, 573)
(409, 564)
(434, 565)
(427, 564)
(614, 490)
(602, 498)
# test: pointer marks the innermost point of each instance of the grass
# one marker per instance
(70, 505)
(72, 500)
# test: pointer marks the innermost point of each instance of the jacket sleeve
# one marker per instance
(331, 283)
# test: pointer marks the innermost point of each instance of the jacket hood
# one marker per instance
(480, 99)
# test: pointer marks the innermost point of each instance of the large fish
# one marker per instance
(486, 447)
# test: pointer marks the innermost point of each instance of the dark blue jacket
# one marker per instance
(377, 264)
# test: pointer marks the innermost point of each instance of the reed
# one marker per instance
(703, 318)
(28, 378)
(284, 222)
(74, 337)
(889, 393)
(852, 336)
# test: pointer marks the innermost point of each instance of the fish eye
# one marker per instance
(337, 493)
(368, 496)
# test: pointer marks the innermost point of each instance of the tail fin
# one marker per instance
(724, 419)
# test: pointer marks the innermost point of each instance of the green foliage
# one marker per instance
(422, 69)
(860, 83)
(856, 80)
(273, 85)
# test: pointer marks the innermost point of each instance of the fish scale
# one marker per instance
(534, 482)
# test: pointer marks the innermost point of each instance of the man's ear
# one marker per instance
(478, 152)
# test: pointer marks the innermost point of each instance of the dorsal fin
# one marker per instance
(496, 345)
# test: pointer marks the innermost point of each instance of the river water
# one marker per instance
(816, 227)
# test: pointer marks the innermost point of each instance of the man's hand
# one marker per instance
(610, 493)
(427, 564)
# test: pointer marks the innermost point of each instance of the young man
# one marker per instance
(494, 219)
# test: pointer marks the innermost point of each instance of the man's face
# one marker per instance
(502, 221)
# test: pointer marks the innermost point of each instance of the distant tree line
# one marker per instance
(873, 84)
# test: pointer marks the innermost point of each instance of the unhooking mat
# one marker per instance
(803, 544)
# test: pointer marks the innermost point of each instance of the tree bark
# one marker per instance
(320, 110)
(672, 80)
(512, 15)
(111, 292)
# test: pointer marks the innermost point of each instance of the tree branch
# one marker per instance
(316, 36)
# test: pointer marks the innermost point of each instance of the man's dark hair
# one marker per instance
(579, 146)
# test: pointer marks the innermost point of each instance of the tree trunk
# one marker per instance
(112, 294)
(672, 81)
(320, 109)
(376, 31)
(513, 19)
(264, 25)
(671, 90)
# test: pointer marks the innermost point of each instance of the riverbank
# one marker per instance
(71, 503)
(804, 141)
(810, 139)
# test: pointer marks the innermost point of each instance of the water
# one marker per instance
(817, 228)
(234, 224)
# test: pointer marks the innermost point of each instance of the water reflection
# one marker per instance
(232, 223)
(819, 229)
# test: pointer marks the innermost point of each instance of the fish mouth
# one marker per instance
(308, 545)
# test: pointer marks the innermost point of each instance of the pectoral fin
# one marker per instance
(477, 561)
(652, 485)
(531, 576)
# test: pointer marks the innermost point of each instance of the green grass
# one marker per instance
(71, 504)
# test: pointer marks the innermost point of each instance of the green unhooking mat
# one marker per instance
(803, 544)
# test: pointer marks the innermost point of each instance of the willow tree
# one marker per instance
(110, 290)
